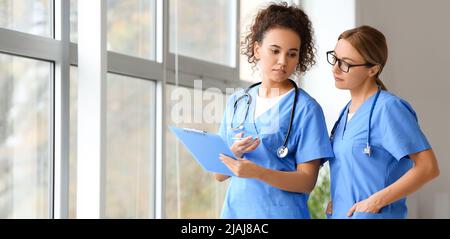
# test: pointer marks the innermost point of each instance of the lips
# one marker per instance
(280, 71)
(338, 79)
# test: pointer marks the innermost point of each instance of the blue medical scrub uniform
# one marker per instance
(252, 198)
(355, 176)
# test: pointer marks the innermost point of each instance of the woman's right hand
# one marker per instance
(244, 145)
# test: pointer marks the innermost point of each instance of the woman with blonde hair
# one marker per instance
(381, 154)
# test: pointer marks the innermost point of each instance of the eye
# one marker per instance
(345, 64)
(275, 51)
(293, 54)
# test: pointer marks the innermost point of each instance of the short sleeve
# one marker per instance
(313, 140)
(402, 134)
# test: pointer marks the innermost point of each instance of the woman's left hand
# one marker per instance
(369, 205)
(242, 168)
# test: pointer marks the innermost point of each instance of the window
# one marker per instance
(203, 30)
(24, 137)
(190, 191)
(130, 146)
(131, 27)
(73, 142)
(30, 16)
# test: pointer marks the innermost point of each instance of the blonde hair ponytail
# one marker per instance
(380, 83)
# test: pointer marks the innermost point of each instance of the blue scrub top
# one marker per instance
(252, 198)
(395, 134)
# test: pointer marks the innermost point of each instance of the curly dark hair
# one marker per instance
(280, 15)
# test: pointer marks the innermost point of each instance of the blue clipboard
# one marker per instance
(205, 148)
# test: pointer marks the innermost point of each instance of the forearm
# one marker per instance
(410, 182)
(221, 177)
(296, 181)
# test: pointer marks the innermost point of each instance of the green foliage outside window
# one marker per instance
(320, 196)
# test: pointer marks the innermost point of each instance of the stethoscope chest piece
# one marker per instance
(282, 151)
(367, 150)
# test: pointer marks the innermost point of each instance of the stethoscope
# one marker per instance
(367, 150)
(283, 150)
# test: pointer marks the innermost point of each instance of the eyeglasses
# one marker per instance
(343, 66)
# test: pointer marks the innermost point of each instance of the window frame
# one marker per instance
(63, 54)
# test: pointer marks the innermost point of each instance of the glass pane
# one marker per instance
(203, 30)
(24, 137)
(131, 27)
(130, 139)
(30, 16)
(190, 191)
(73, 142)
(74, 21)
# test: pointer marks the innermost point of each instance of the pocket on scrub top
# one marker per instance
(370, 172)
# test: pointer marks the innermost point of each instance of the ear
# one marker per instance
(256, 50)
(374, 70)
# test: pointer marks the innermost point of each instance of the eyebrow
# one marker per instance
(292, 49)
(346, 58)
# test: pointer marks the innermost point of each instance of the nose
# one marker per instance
(282, 60)
(336, 68)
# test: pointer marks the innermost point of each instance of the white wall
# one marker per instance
(329, 18)
(417, 69)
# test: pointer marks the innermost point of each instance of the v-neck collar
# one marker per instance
(362, 107)
(280, 101)
(254, 94)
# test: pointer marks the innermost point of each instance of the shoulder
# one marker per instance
(306, 103)
(233, 97)
(391, 103)
(306, 100)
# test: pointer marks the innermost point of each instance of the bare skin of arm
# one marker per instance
(303, 180)
(424, 170)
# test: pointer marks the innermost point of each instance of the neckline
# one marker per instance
(359, 108)
(254, 93)
(276, 97)
(273, 98)
(356, 113)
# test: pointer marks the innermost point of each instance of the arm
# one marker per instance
(425, 169)
(221, 177)
(303, 180)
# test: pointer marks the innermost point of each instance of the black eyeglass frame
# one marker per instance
(339, 61)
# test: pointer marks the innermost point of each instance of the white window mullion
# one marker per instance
(61, 113)
(92, 61)
(160, 112)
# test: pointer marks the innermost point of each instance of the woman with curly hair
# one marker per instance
(276, 131)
